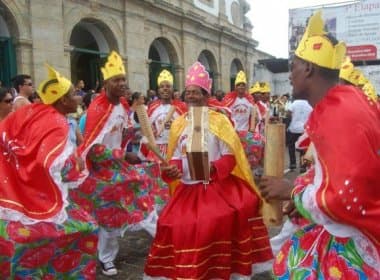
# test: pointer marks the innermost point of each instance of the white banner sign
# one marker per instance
(358, 25)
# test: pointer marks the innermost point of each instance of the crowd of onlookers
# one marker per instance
(293, 114)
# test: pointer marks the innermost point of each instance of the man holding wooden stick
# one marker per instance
(341, 200)
(163, 111)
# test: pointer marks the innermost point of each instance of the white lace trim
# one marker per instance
(364, 246)
(55, 173)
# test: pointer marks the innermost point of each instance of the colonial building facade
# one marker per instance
(75, 36)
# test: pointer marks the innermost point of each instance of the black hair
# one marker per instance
(136, 95)
(329, 74)
(3, 92)
(87, 98)
(204, 92)
(19, 80)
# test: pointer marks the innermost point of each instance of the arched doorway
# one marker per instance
(92, 41)
(209, 62)
(8, 64)
(236, 66)
(161, 56)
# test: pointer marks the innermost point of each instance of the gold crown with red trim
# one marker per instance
(54, 87)
(316, 47)
(255, 88)
(165, 75)
(240, 78)
(370, 92)
(265, 87)
(113, 67)
(346, 69)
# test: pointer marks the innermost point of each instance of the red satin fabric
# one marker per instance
(345, 130)
(230, 98)
(32, 137)
(210, 231)
(180, 107)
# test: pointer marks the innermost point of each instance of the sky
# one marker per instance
(270, 22)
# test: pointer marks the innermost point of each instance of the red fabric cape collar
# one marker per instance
(230, 98)
(97, 115)
(180, 106)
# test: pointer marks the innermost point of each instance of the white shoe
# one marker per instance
(108, 268)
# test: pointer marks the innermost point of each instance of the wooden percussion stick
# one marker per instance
(168, 117)
(274, 162)
(253, 118)
(146, 130)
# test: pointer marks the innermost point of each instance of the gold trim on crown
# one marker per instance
(240, 78)
(165, 75)
(255, 88)
(54, 87)
(113, 67)
(316, 48)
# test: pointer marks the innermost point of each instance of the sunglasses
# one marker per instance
(7, 101)
(28, 84)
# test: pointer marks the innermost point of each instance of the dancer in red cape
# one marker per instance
(342, 201)
(38, 165)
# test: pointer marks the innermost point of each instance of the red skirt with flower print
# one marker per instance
(119, 194)
(50, 251)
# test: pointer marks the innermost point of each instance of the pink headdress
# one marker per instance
(198, 76)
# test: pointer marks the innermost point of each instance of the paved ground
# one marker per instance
(134, 248)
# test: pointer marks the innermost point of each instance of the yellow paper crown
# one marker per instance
(255, 88)
(113, 67)
(370, 92)
(346, 70)
(240, 78)
(54, 87)
(264, 87)
(316, 48)
(362, 80)
(165, 75)
(355, 76)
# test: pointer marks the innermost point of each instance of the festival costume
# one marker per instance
(212, 230)
(119, 195)
(43, 235)
(241, 112)
(158, 111)
(342, 240)
(223, 215)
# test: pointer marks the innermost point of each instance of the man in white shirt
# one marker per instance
(299, 112)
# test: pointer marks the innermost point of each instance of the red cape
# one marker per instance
(345, 130)
(31, 139)
(230, 98)
(180, 107)
(97, 116)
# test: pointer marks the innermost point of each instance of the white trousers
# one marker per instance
(108, 245)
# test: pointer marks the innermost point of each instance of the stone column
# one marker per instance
(137, 53)
(47, 36)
